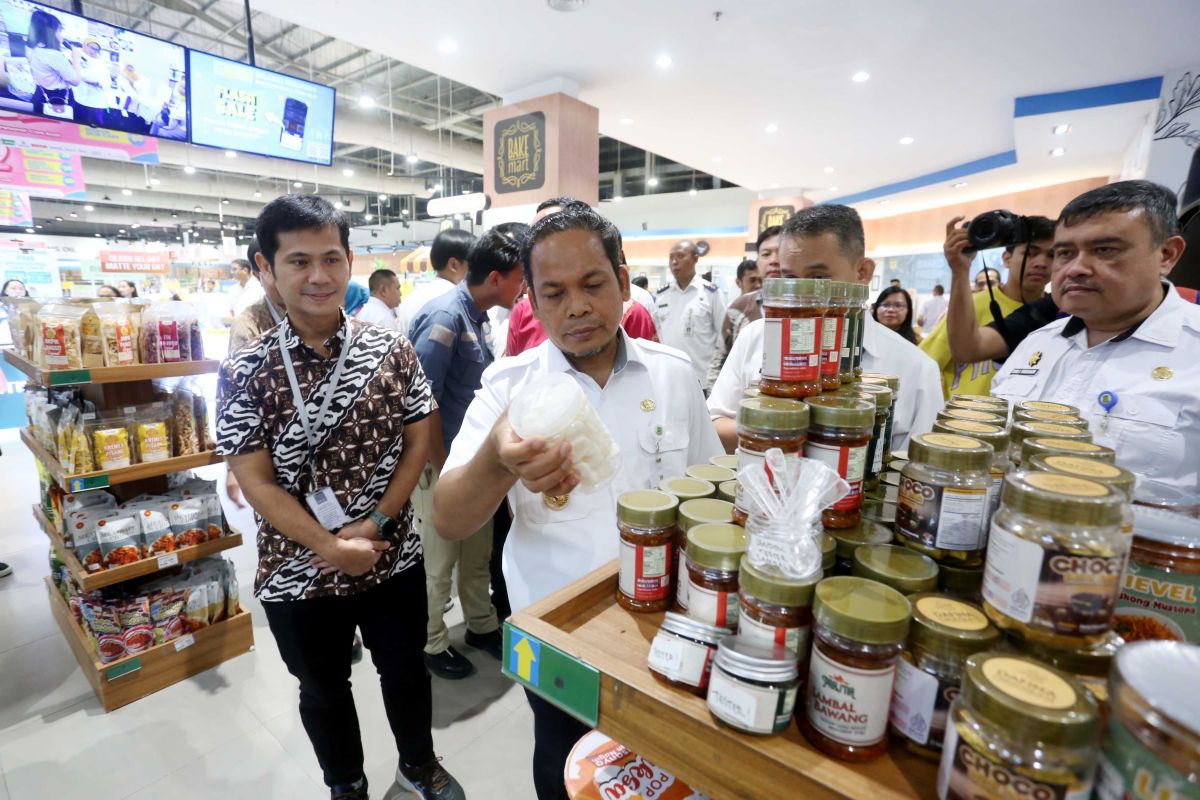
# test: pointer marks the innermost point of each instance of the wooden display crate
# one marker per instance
(102, 479)
(134, 372)
(133, 677)
(586, 654)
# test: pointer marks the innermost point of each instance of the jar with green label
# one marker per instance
(906, 571)
(842, 299)
(944, 497)
(1018, 729)
(838, 437)
(1088, 665)
(774, 609)
(1052, 446)
(726, 460)
(995, 436)
(1151, 747)
(698, 511)
(1160, 590)
(714, 553)
(847, 540)
(1054, 559)
(944, 633)
(961, 583)
(753, 689)
(973, 415)
(1018, 432)
(859, 295)
(880, 447)
(646, 520)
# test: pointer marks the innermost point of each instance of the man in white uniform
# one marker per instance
(448, 255)
(645, 393)
(827, 241)
(1127, 356)
(688, 311)
(248, 291)
(380, 308)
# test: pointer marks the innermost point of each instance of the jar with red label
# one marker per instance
(793, 309)
(682, 652)
(714, 553)
(775, 609)
(833, 333)
(646, 521)
(698, 511)
(766, 422)
(859, 296)
(880, 449)
(839, 433)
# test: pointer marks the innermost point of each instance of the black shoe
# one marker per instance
(5, 570)
(356, 650)
(491, 643)
(351, 791)
(430, 781)
(449, 664)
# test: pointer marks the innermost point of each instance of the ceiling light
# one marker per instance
(338, 204)
(89, 207)
(448, 46)
(96, 235)
(177, 238)
(298, 184)
(861, 76)
(175, 215)
(225, 201)
(366, 101)
(368, 217)
(411, 158)
(907, 140)
(958, 185)
(127, 192)
(29, 230)
(833, 188)
(189, 169)
(136, 225)
(155, 182)
(404, 211)
(652, 182)
(829, 170)
(58, 219)
(1059, 130)
(692, 191)
(884, 202)
(74, 215)
(231, 154)
(39, 227)
(626, 121)
(383, 198)
(437, 187)
(197, 209)
(663, 61)
(121, 230)
(257, 193)
(349, 173)
(616, 198)
(1058, 151)
(772, 128)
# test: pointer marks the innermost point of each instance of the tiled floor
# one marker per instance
(231, 732)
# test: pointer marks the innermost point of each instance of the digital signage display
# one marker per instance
(238, 107)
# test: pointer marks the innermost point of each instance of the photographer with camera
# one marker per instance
(1027, 242)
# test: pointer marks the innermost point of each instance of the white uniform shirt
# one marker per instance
(377, 312)
(417, 299)
(690, 320)
(934, 309)
(1153, 371)
(884, 350)
(642, 297)
(242, 297)
(653, 410)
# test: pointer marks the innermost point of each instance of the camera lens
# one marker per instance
(989, 230)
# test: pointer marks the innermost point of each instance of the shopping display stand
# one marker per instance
(131, 678)
(581, 651)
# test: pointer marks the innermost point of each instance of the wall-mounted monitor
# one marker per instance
(238, 107)
(63, 66)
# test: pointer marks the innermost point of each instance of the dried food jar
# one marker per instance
(699, 511)
(999, 402)
(906, 571)
(961, 583)
(859, 628)
(1153, 494)
(714, 553)
(726, 460)
(1160, 590)
(646, 520)
(727, 491)
(753, 689)
(687, 488)
(833, 333)
(997, 437)
(879, 450)
(1050, 416)
(1054, 559)
(973, 415)
(1088, 665)
(838, 435)
(1050, 446)
(775, 609)
(711, 473)
(1118, 478)
(1018, 432)
(682, 652)
(1018, 729)
(944, 497)
(847, 540)
(859, 296)
(793, 309)
(974, 405)
(1151, 747)
(943, 634)
(766, 422)
(1045, 405)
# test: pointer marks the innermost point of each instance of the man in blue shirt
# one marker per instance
(449, 335)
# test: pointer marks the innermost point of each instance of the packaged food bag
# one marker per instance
(120, 540)
(103, 621)
(166, 332)
(137, 629)
(60, 336)
(158, 537)
(166, 615)
(90, 336)
(110, 446)
(152, 440)
(188, 521)
(116, 333)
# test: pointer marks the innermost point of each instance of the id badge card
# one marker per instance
(325, 507)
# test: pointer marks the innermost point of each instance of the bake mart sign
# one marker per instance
(134, 261)
(520, 153)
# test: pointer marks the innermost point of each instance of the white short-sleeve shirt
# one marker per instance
(690, 320)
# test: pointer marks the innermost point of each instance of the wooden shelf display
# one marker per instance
(587, 655)
(134, 372)
(102, 479)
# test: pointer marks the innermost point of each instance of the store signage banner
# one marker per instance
(770, 216)
(42, 172)
(134, 261)
(21, 130)
(15, 209)
(520, 153)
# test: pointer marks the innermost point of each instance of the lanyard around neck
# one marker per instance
(311, 433)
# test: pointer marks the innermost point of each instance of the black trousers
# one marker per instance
(315, 638)
(501, 522)
(555, 732)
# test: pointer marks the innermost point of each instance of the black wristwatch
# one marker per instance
(388, 526)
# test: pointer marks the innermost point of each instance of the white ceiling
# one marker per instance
(945, 73)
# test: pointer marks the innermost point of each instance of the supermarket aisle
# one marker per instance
(231, 732)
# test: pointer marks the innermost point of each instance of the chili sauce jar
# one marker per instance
(1160, 590)
(766, 422)
(687, 488)
(753, 689)
(859, 295)
(844, 293)
(775, 609)
(682, 652)
(646, 521)
(848, 540)
(906, 571)
(944, 497)
(833, 332)
(714, 554)
(961, 583)
(726, 460)
(838, 435)
(880, 446)
(793, 309)
(993, 435)
(727, 491)
(711, 473)
(700, 511)
(1051, 446)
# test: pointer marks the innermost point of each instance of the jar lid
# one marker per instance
(1171, 498)
(1163, 675)
(878, 394)
(898, 457)
(862, 609)
(770, 587)
(952, 627)
(812, 291)
(878, 510)
(828, 552)
(726, 460)
(861, 291)
(752, 391)
(1061, 498)
(1050, 416)
(755, 662)
(693, 629)
(727, 491)
(994, 435)
(704, 511)
(972, 415)
(1029, 700)
(1167, 527)
(865, 532)
(841, 293)
(773, 414)
(716, 545)
(1090, 468)
(1020, 431)
(712, 474)
(1045, 405)
(647, 508)
(1043, 445)
(999, 402)
(1095, 661)
(960, 580)
(974, 405)
(950, 451)
(902, 569)
(687, 488)
(892, 381)
(841, 412)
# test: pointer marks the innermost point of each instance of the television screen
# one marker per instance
(63, 66)
(238, 107)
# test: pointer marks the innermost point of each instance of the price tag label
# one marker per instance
(184, 642)
(666, 654)
(169, 560)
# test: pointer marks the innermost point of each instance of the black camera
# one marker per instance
(1000, 228)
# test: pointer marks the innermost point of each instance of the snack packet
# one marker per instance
(188, 521)
(166, 615)
(103, 620)
(60, 336)
(120, 540)
(137, 628)
(110, 446)
(116, 333)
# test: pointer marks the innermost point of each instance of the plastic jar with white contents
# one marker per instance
(944, 497)
(646, 521)
(714, 553)
(775, 609)
(753, 689)
(694, 512)
(682, 652)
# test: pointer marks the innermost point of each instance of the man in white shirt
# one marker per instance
(827, 241)
(934, 308)
(448, 254)
(380, 308)
(688, 311)
(646, 395)
(248, 291)
(1127, 356)
(642, 297)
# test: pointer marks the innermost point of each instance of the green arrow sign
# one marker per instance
(561, 679)
(63, 377)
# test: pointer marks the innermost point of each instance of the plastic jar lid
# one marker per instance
(1029, 700)
(983, 431)
(1166, 527)
(716, 545)
(850, 539)
(1090, 468)
(828, 551)
(1045, 405)
(878, 394)
(1041, 445)
(891, 381)
(1165, 496)
(773, 414)
(902, 569)
(753, 662)
(974, 405)
(1163, 675)
(950, 451)
(752, 391)
(835, 411)
(807, 291)
(1050, 416)
(950, 628)
(1061, 498)
(1020, 431)
(710, 473)
(726, 460)
(1094, 661)
(962, 580)
(999, 402)
(860, 292)
(972, 415)
(684, 625)
(646, 508)
(841, 293)
(862, 610)
(880, 511)
(704, 511)
(769, 587)
(687, 488)
(727, 491)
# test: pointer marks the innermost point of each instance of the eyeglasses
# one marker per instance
(893, 307)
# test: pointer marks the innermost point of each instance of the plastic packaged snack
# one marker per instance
(157, 535)
(22, 323)
(90, 337)
(166, 332)
(137, 628)
(116, 332)
(166, 615)
(152, 440)
(120, 540)
(60, 336)
(185, 436)
(110, 446)
(188, 521)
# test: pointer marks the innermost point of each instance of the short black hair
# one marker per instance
(497, 250)
(938, 288)
(641, 280)
(573, 218)
(895, 281)
(452, 243)
(297, 212)
(1157, 204)
(842, 221)
(744, 267)
(379, 278)
(561, 202)
(767, 233)
(252, 250)
(240, 262)
(1040, 229)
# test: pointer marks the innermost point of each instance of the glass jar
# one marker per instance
(944, 633)
(793, 309)
(961, 583)
(714, 553)
(1118, 478)
(847, 540)
(711, 473)
(1045, 405)
(838, 436)
(766, 422)
(1054, 559)
(1088, 665)
(682, 652)
(892, 382)
(828, 553)
(998, 402)
(1153, 494)
(974, 405)
(944, 497)
(700, 511)
(876, 509)
(859, 295)
(1160, 590)
(879, 449)
(774, 609)
(997, 437)
(753, 689)
(727, 491)
(859, 627)
(687, 488)
(846, 359)
(973, 415)
(833, 333)
(726, 460)
(646, 520)
(1152, 744)
(1050, 416)
(752, 391)
(1050, 446)
(1018, 729)
(1018, 432)
(906, 571)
